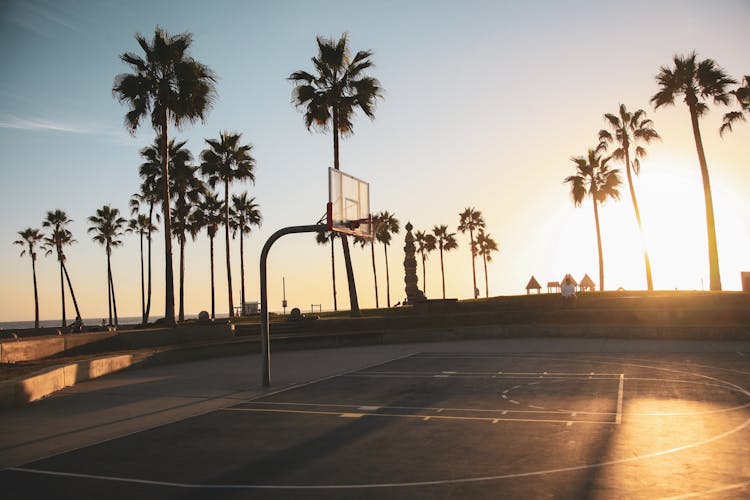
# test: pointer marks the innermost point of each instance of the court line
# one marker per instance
(618, 418)
(384, 485)
(422, 416)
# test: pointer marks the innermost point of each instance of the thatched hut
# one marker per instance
(553, 287)
(587, 284)
(533, 285)
(575, 283)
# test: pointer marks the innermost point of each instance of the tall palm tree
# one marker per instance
(471, 220)
(363, 242)
(56, 241)
(107, 226)
(697, 81)
(630, 129)
(742, 96)
(485, 245)
(594, 178)
(140, 224)
(243, 215)
(226, 160)
(171, 87)
(323, 238)
(445, 242)
(387, 226)
(332, 96)
(426, 243)
(29, 239)
(187, 188)
(208, 214)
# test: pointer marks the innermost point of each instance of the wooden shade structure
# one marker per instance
(587, 284)
(533, 284)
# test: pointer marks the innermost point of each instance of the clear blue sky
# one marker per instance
(485, 103)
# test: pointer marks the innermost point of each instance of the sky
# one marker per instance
(484, 105)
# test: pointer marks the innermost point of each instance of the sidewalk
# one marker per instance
(139, 399)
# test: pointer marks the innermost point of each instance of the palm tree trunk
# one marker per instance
(598, 243)
(143, 288)
(72, 293)
(374, 273)
(424, 274)
(148, 303)
(242, 272)
(112, 287)
(387, 275)
(62, 291)
(36, 293)
(213, 296)
(473, 266)
(486, 283)
(181, 315)
(168, 267)
(353, 302)
(649, 280)
(335, 138)
(713, 252)
(226, 240)
(442, 269)
(109, 293)
(333, 273)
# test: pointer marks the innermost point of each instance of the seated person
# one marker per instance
(568, 292)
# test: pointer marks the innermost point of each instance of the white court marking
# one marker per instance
(722, 383)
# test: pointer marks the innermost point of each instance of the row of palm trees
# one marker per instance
(695, 81)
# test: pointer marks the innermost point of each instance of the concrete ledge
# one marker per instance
(45, 382)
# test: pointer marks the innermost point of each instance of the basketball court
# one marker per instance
(445, 425)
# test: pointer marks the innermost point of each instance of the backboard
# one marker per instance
(348, 204)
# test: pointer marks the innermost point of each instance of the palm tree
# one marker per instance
(188, 189)
(243, 215)
(207, 214)
(445, 242)
(56, 241)
(471, 220)
(331, 96)
(594, 178)
(227, 160)
(322, 238)
(387, 226)
(29, 239)
(630, 129)
(141, 225)
(697, 81)
(742, 95)
(362, 242)
(485, 245)
(425, 244)
(171, 87)
(107, 226)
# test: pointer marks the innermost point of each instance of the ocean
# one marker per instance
(55, 323)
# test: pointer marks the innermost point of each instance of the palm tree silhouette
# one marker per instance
(226, 160)
(630, 129)
(208, 214)
(243, 215)
(171, 87)
(140, 224)
(29, 239)
(387, 226)
(187, 189)
(742, 96)
(445, 242)
(56, 241)
(107, 226)
(322, 238)
(697, 81)
(471, 220)
(426, 243)
(594, 178)
(362, 242)
(332, 96)
(485, 245)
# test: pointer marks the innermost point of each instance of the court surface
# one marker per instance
(444, 425)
